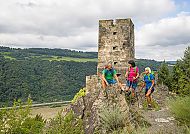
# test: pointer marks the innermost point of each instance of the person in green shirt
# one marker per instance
(109, 76)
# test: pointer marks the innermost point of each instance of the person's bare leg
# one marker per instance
(127, 89)
(121, 86)
(133, 92)
(103, 85)
(148, 99)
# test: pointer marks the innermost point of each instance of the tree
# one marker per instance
(181, 74)
(164, 75)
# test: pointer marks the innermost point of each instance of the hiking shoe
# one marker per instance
(121, 91)
(149, 106)
(105, 94)
(128, 93)
(132, 102)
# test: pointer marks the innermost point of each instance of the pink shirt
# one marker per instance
(132, 73)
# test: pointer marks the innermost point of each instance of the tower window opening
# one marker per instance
(124, 44)
(115, 63)
(115, 47)
(114, 33)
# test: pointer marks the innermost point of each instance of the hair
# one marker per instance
(108, 63)
(148, 68)
(132, 63)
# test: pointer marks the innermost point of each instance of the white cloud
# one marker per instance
(165, 39)
(167, 31)
(81, 42)
(74, 24)
(161, 53)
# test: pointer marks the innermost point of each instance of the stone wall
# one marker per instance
(115, 44)
(92, 82)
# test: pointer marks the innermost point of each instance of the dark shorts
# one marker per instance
(146, 90)
(131, 84)
(112, 81)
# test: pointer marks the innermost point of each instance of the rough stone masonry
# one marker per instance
(116, 44)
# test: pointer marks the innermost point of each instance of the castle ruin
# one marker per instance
(115, 44)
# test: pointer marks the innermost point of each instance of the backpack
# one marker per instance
(152, 72)
(135, 69)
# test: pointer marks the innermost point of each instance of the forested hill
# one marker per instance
(45, 52)
(47, 74)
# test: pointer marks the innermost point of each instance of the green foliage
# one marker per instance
(56, 58)
(142, 130)
(17, 121)
(69, 124)
(113, 121)
(154, 105)
(22, 54)
(181, 75)
(44, 81)
(81, 93)
(112, 118)
(164, 75)
(181, 109)
(143, 63)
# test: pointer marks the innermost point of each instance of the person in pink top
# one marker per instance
(132, 74)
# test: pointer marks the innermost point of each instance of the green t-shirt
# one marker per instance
(109, 74)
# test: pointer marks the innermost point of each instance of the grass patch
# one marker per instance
(68, 124)
(154, 104)
(57, 58)
(112, 119)
(5, 53)
(181, 109)
(9, 57)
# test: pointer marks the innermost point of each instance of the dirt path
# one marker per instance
(162, 121)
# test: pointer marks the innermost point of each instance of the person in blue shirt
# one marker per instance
(148, 83)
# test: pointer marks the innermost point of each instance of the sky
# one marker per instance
(162, 27)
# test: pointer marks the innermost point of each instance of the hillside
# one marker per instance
(47, 74)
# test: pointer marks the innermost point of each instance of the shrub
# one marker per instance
(16, 120)
(111, 118)
(69, 124)
(81, 93)
(181, 109)
(113, 121)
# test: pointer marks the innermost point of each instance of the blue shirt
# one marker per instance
(148, 81)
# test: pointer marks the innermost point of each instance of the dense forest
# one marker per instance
(23, 73)
(19, 119)
(177, 80)
(46, 52)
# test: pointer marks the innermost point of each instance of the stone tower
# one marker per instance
(116, 44)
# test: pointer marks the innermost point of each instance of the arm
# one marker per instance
(127, 73)
(104, 79)
(143, 85)
(137, 74)
(152, 85)
(134, 78)
(115, 76)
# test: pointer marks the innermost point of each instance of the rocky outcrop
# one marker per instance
(90, 106)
